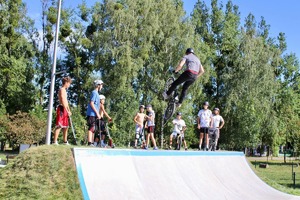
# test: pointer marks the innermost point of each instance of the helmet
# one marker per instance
(217, 109)
(179, 113)
(98, 82)
(142, 106)
(148, 106)
(205, 103)
(189, 50)
(102, 96)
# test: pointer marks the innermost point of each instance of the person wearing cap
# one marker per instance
(103, 113)
(194, 69)
(139, 119)
(179, 128)
(93, 109)
(63, 112)
(205, 121)
(218, 122)
(151, 125)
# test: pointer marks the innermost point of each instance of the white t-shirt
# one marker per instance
(217, 120)
(205, 117)
(149, 122)
(178, 125)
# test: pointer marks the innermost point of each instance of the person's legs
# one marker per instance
(200, 140)
(185, 87)
(91, 128)
(153, 139)
(65, 135)
(182, 78)
(56, 133)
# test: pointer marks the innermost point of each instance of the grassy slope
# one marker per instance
(45, 172)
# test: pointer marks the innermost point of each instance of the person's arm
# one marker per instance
(64, 102)
(198, 122)
(222, 123)
(104, 112)
(180, 65)
(201, 71)
(211, 121)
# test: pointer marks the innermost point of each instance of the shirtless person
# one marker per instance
(63, 112)
(139, 119)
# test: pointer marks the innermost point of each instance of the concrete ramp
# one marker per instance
(139, 174)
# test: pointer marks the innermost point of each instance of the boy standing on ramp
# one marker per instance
(102, 122)
(139, 119)
(205, 121)
(150, 124)
(218, 123)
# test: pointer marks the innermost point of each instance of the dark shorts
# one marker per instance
(204, 130)
(151, 129)
(91, 123)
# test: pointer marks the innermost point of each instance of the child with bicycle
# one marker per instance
(179, 128)
(139, 119)
(151, 125)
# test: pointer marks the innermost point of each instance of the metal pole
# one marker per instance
(50, 106)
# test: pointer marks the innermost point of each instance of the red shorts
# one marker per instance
(151, 129)
(62, 118)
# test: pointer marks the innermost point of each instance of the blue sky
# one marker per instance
(282, 16)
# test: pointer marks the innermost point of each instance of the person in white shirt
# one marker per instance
(205, 121)
(179, 128)
(218, 123)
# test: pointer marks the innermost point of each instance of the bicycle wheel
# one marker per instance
(169, 111)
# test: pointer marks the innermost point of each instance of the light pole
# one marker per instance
(53, 73)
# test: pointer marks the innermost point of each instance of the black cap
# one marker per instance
(189, 50)
(205, 103)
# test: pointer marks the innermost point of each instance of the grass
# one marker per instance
(278, 174)
(45, 172)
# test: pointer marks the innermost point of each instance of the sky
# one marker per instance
(282, 16)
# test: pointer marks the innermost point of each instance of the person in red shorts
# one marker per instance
(63, 112)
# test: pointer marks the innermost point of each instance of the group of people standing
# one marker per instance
(96, 110)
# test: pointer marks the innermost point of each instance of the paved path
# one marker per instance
(138, 174)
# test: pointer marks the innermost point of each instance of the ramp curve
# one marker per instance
(137, 174)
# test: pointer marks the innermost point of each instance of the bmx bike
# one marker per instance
(173, 99)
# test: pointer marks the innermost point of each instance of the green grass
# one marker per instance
(278, 174)
(45, 172)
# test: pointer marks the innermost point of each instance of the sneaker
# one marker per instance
(186, 149)
(135, 147)
(91, 145)
(206, 148)
(66, 143)
(165, 95)
(170, 147)
(178, 105)
(155, 148)
(146, 148)
(55, 143)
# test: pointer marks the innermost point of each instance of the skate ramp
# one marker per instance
(138, 174)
